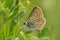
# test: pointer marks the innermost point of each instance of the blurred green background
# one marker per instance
(13, 13)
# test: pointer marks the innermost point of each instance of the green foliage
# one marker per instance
(13, 13)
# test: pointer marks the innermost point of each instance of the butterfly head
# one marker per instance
(29, 24)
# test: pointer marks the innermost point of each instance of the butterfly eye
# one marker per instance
(24, 23)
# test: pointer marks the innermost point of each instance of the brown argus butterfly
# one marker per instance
(35, 19)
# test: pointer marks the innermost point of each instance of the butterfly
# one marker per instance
(36, 19)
